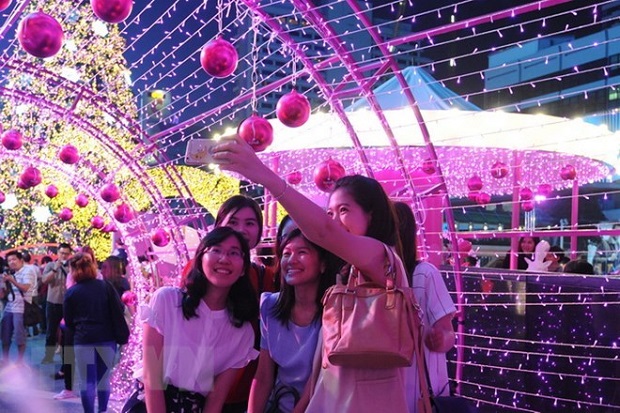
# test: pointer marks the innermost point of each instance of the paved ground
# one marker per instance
(29, 388)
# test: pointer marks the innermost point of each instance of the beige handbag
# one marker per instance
(366, 325)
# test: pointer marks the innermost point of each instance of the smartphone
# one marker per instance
(199, 151)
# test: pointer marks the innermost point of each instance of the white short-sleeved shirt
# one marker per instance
(434, 299)
(198, 349)
(25, 275)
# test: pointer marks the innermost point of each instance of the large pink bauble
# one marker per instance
(256, 131)
(160, 237)
(428, 166)
(2, 197)
(129, 298)
(525, 194)
(527, 206)
(31, 177)
(12, 139)
(69, 154)
(97, 222)
(110, 193)
(293, 109)
(568, 173)
(65, 214)
(112, 11)
(219, 58)
(473, 196)
(123, 213)
(327, 173)
(21, 184)
(463, 246)
(483, 198)
(544, 190)
(81, 200)
(109, 227)
(40, 34)
(499, 170)
(4, 4)
(294, 178)
(474, 183)
(51, 191)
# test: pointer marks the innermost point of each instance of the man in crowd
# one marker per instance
(35, 291)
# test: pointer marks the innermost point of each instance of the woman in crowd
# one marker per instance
(87, 315)
(437, 310)
(290, 324)
(359, 223)
(113, 271)
(527, 245)
(197, 338)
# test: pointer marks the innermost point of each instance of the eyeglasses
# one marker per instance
(218, 252)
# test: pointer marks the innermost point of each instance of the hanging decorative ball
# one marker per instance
(568, 173)
(65, 214)
(428, 166)
(112, 11)
(463, 246)
(527, 206)
(293, 109)
(4, 4)
(129, 298)
(474, 183)
(544, 190)
(81, 200)
(69, 154)
(12, 139)
(473, 196)
(40, 34)
(219, 58)
(294, 178)
(51, 191)
(327, 173)
(160, 237)
(110, 193)
(525, 194)
(2, 197)
(109, 227)
(483, 198)
(21, 184)
(256, 131)
(97, 222)
(31, 177)
(499, 170)
(123, 213)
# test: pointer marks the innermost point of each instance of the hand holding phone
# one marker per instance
(200, 151)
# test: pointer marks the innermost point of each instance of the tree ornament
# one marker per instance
(97, 222)
(2, 197)
(568, 173)
(112, 11)
(109, 227)
(81, 200)
(544, 190)
(257, 132)
(526, 194)
(51, 191)
(160, 237)
(499, 170)
(293, 109)
(69, 154)
(4, 4)
(527, 206)
(110, 193)
(294, 178)
(123, 213)
(483, 198)
(40, 34)
(327, 173)
(65, 214)
(219, 58)
(473, 196)
(474, 183)
(129, 298)
(12, 139)
(30, 178)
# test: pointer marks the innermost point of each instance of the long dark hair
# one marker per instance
(407, 232)
(286, 299)
(236, 203)
(241, 303)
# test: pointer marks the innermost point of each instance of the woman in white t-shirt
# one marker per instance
(198, 337)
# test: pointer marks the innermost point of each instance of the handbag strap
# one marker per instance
(421, 367)
(390, 272)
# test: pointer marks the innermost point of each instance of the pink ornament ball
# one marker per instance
(51, 191)
(97, 222)
(499, 170)
(129, 298)
(112, 11)
(544, 190)
(109, 227)
(473, 196)
(463, 246)
(69, 154)
(294, 178)
(21, 184)
(123, 213)
(293, 109)
(65, 214)
(12, 139)
(428, 166)
(526, 194)
(31, 177)
(568, 173)
(219, 58)
(527, 206)
(2, 197)
(4, 4)
(474, 183)
(327, 173)
(110, 193)
(483, 198)
(257, 132)
(40, 34)
(81, 200)
(160, 237)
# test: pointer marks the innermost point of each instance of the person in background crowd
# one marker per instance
(527, 245)
(113, 271)
(437, 308)
(35, 291)
(579, 266)
(197, 338)
(556, 256)
(43, 292)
